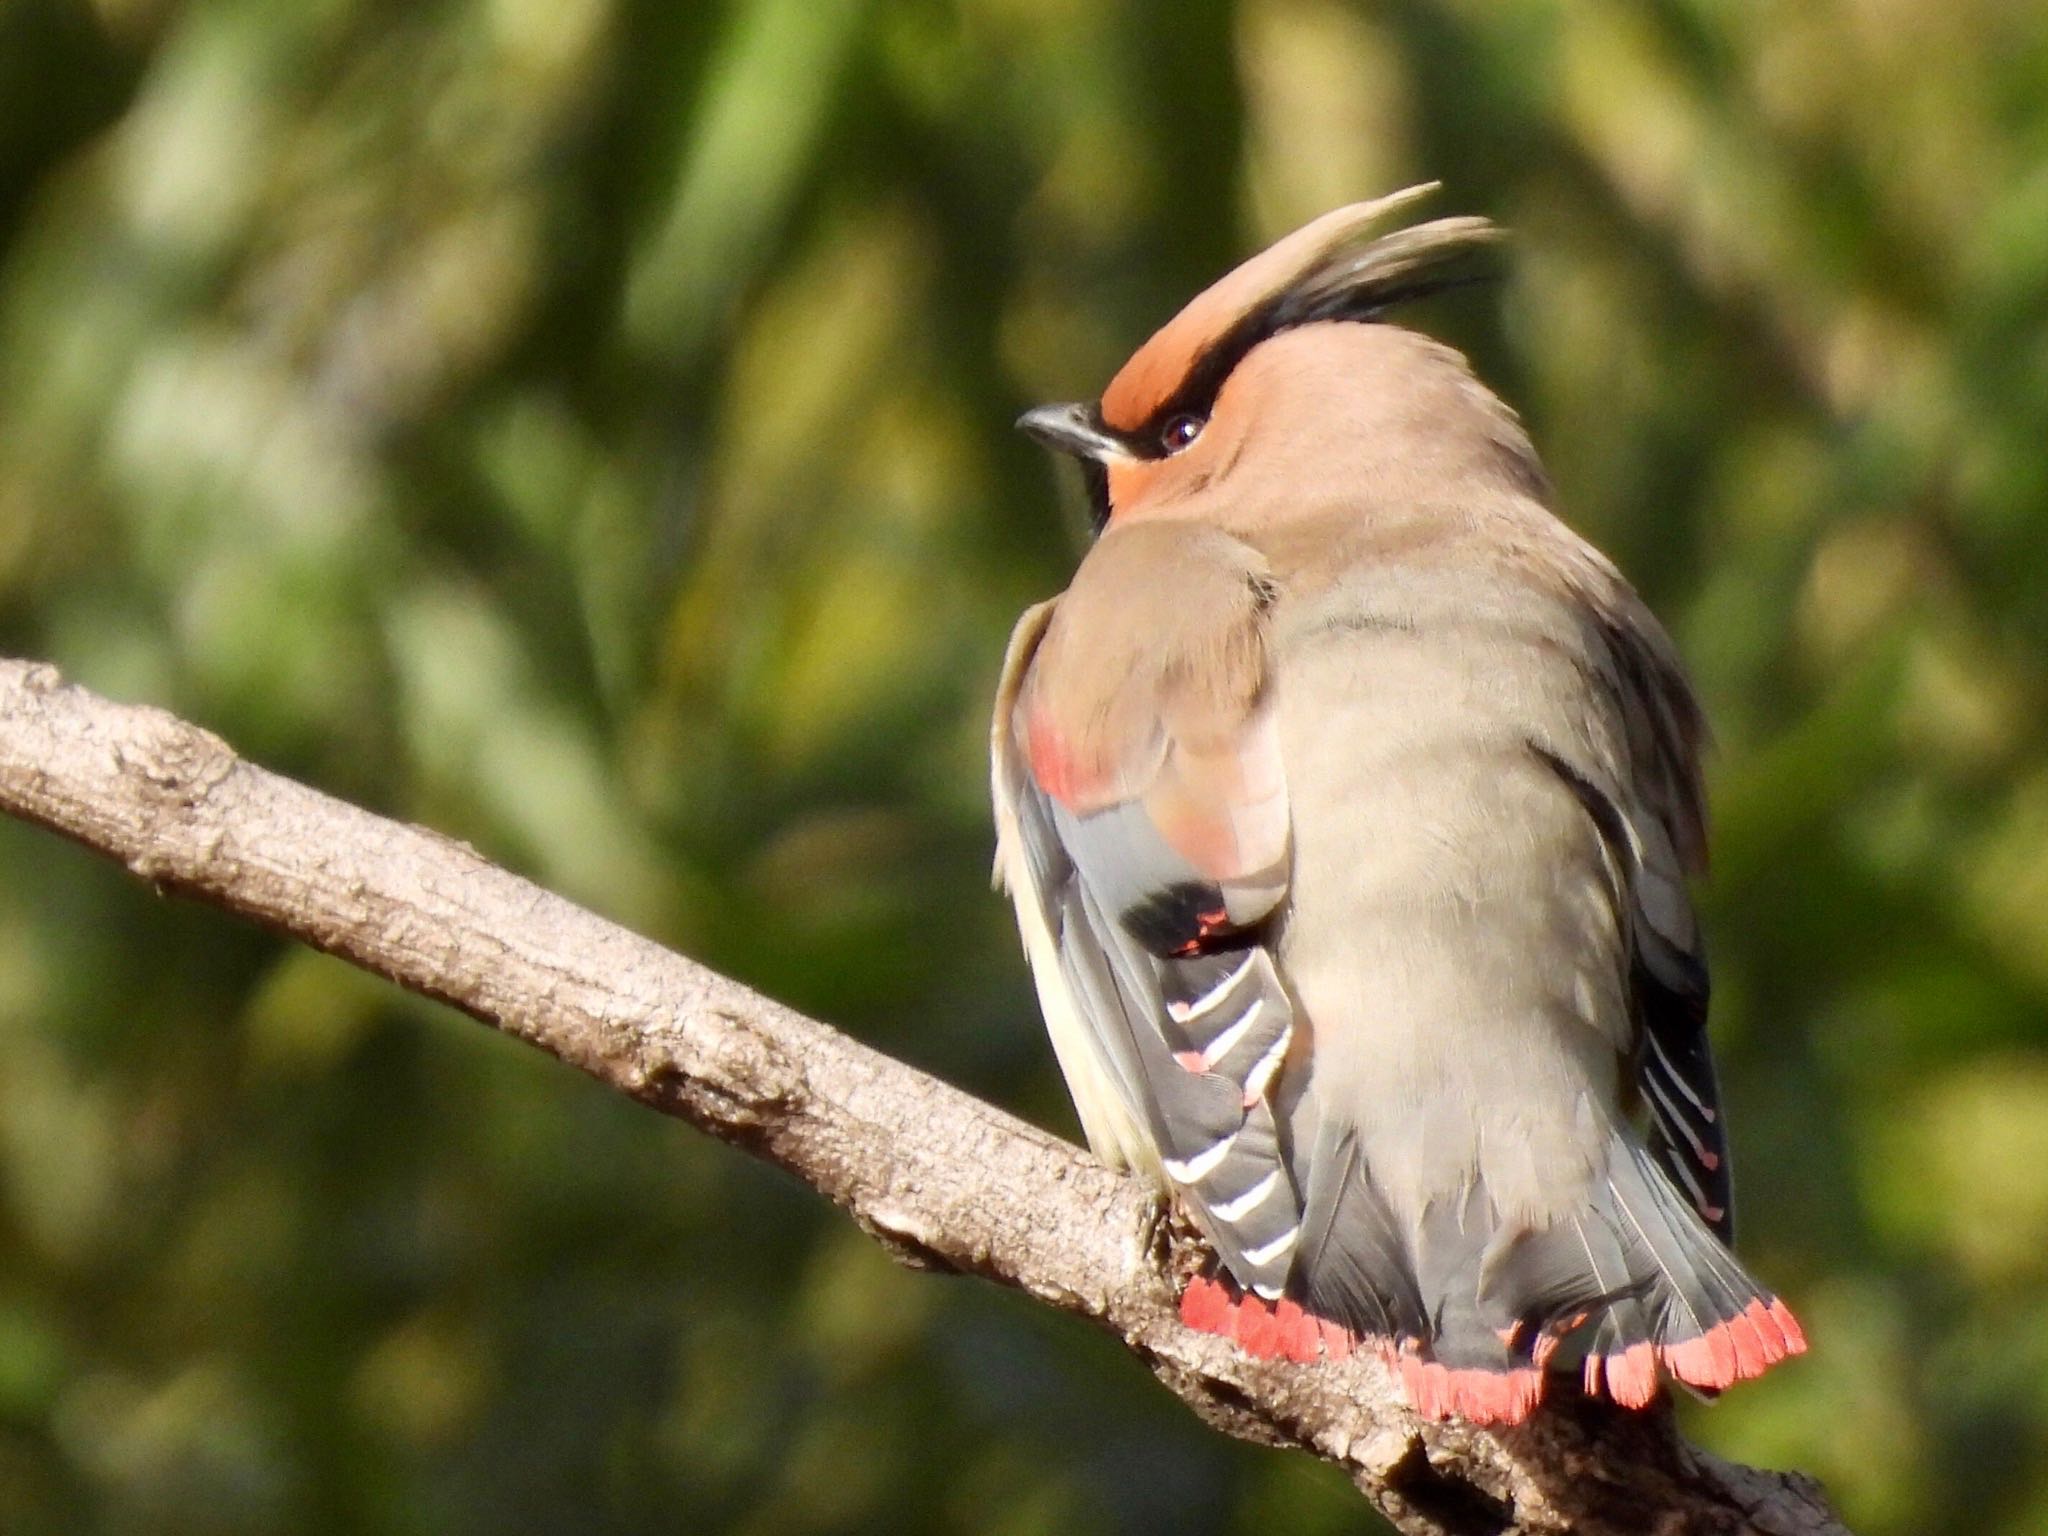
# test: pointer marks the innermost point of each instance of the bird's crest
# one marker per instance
(1327, 270)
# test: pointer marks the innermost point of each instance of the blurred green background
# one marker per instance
(583, 426)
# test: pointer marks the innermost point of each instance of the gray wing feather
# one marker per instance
(1191, 1043)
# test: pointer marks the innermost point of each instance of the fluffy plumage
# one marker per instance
(1348, 800)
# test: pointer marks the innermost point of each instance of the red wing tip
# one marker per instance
(1046, 748)
(1055, 768)
(1436, 1391)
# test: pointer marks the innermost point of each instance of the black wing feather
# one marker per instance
(1675, 1074)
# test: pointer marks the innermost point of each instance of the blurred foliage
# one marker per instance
(582, 426)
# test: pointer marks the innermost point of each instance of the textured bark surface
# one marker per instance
(942, 1179)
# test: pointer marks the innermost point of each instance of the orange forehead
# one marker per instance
(1157, 368)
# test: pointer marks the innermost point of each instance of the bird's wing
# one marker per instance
(1142, 833)
(1675, 1062)
(1655, 822)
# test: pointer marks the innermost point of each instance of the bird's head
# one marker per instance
(1267, 390)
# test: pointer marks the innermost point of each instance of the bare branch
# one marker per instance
(944, 1180)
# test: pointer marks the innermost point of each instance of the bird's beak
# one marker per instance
(1073, 429)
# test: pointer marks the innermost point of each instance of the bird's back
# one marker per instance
(1454, 917)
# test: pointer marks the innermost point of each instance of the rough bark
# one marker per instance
(942, 1179)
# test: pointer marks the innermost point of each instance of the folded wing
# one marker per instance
(1142, 833)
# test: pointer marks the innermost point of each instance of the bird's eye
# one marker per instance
(1179, 431)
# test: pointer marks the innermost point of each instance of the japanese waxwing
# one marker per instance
(1347, 799)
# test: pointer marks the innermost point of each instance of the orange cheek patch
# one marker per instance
(1129, 482)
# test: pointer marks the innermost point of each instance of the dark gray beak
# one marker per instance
(1072, 429)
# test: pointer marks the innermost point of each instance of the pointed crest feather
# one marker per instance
(1326, 270)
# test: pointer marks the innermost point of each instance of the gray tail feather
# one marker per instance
(1685, 1282)
(1352, 1265)
(1636, 1266)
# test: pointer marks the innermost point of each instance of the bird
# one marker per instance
(1348, 801)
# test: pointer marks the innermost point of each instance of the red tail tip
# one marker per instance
(1258, 1332)
(1337, 1340)
(1205, 1306)
(1746, 1345)
(1300, 1333)
(1708, 1362)
(1795, 1336)
(1632, 1376)
(1436, 1391)
(1281, 1330)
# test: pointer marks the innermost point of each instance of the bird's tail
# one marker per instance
(1685, 1304)
(1633, 1287)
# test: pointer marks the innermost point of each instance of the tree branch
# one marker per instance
(942, 1179)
